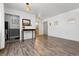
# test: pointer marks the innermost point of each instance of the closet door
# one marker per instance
(45, 26)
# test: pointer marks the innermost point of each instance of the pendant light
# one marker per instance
(28, 7)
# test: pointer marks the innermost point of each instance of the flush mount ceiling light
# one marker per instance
(28, 7)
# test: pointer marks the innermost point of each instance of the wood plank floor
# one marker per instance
(42, 46)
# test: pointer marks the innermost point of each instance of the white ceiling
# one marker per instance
(44, 9)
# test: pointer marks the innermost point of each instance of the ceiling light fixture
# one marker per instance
(28, 7)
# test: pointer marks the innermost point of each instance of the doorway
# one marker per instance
(45, 28)
(12, 28)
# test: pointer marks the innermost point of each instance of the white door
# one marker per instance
(45, 28)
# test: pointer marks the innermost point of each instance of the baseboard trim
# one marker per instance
(64, 38)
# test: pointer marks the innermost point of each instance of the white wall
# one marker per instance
(2, 36)
(64, 29)
(23, 15)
